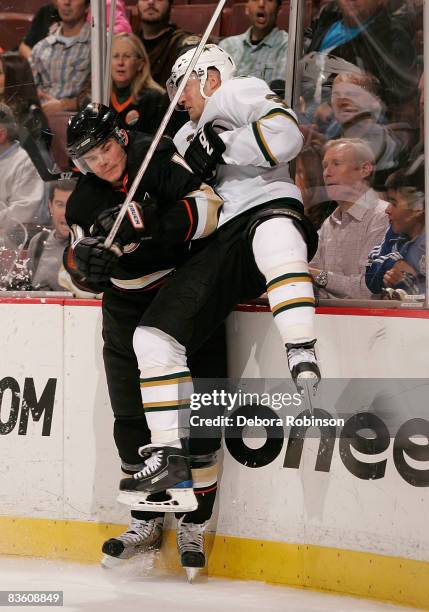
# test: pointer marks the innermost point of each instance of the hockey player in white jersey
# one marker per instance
(242, 137)
(258, 133)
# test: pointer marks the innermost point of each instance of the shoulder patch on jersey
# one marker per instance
(275, 98)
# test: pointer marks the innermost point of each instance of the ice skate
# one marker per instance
(190, 544)
(166, 469)
(303, 367)
(142, 536)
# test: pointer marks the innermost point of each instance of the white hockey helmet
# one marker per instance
(211, 56)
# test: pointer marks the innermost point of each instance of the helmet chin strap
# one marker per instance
(203, 82)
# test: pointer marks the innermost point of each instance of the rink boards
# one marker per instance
(285, 521)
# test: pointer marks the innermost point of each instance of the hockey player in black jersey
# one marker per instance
(172, 207)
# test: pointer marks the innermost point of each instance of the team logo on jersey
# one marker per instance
(132, 117)
(422, 264)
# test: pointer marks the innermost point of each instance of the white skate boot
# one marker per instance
(304, 370)
(190, 544)
(141, 536)
(303, 365)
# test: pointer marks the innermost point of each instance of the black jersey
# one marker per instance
(168, 180)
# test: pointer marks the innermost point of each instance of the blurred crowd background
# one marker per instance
(360, 104)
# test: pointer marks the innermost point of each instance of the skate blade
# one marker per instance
(108, 562)
(307, 384)
(192, 573)
(181, 500)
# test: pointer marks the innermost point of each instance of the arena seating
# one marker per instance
(194, 18)
(190, 15)
(236, 22)
(21, 6)
(228, 3)
(13, 28)
(190, 18)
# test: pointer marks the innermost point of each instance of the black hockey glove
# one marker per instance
(205, 152)
(138, 224)
(94, 261)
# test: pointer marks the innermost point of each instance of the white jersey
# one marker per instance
(262, 137)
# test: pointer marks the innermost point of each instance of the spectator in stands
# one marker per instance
(367, 35)
(47, 20)
(163, 41)
(399, 261)
(18, 91)
(358, 111)
(44, 22)
(262, 50)
(45, 251)
(139, 101)
(61, 61)
(21, 188)
(358, 223)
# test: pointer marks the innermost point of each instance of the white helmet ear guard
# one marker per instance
(211, 56)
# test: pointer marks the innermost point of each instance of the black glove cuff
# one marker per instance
(216, 141)
(152, 228)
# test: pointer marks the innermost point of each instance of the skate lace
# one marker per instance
(151, 465)
(300, 355)
(138, 531)
(190, 537)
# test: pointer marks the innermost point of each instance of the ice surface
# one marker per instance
(89, 588)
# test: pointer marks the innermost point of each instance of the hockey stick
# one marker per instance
(145, 163)
(29, 145)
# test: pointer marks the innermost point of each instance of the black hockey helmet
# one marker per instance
(88, 129)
